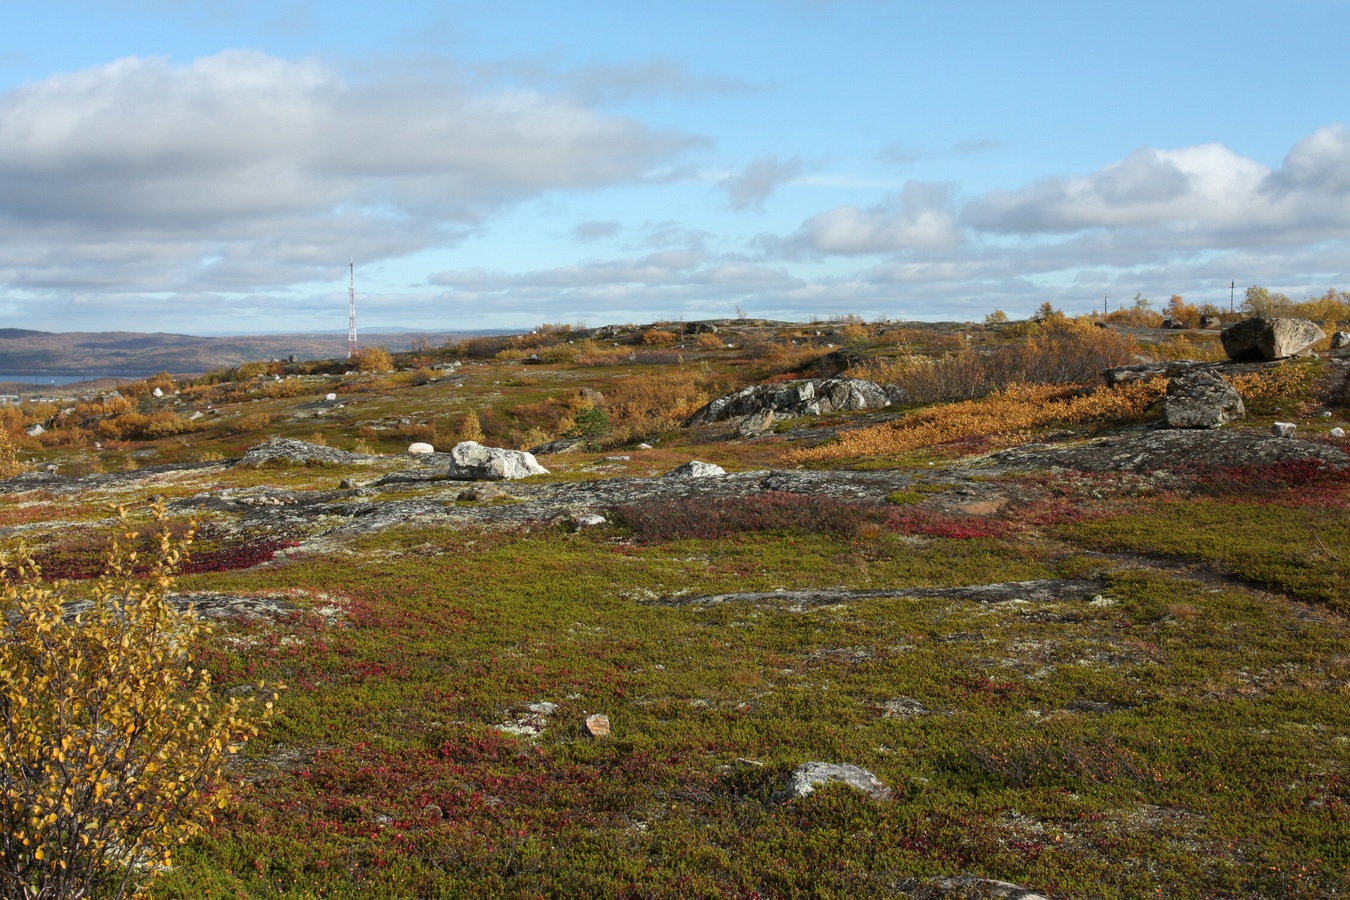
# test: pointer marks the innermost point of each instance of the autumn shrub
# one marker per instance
(142, 426)
(114, 736)
(374, 359)
(10, 464)
(659, 337)
(1186, 346)
(251, 423)
(471, 428)
(654, 403)
(1286, 388)
(709, 341)
(1065, 352)
(1003, 418)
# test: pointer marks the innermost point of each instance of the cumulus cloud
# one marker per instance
(920, 216)
(760, 179)
(244, 169)
(586, 232)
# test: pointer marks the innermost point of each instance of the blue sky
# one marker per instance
(211, 166)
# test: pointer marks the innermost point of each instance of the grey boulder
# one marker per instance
(809, 776)
(471, 461)
(1201, 400)
(1263, 337)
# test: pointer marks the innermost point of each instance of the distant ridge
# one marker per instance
(134, 354)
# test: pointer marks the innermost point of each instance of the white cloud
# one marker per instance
(760, 179)
(919, 217)
(269, 169)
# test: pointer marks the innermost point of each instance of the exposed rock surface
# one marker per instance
(1263, 337)
(1200, 399)
(1283, 429)
(807, 777)
(1340, 339)
(471, 461)
(1046, 590)
(811, 397)
(696, 469)
(293, 451)
(1152, 450)
(1145, 371)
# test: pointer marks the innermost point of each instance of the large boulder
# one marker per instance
(696, 469)
(809, 776)
(1201, 399)
(810, 397)
(1269, 338)
(471, 461)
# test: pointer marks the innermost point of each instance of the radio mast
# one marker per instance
(352, 350)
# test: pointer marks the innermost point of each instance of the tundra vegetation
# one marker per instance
(1171, 722)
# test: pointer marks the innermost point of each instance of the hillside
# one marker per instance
(134, 353)
(947, 614)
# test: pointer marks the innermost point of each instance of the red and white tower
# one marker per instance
(352, 350)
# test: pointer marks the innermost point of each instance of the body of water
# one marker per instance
(55, 380)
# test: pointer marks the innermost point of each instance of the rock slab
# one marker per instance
(1264, 337)
(810, 397)
(809, 776)
(471, 461)
(1201, 399)
(696, 469)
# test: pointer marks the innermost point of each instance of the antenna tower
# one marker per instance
(352, 350)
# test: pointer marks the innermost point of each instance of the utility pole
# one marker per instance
(1232, 286)
(1105, 297)
(352, 350)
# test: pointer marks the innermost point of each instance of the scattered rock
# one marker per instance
(597, 726)
(1283, 429)
(471, 461)
(293, 451)
(481, 493)
(1210, 322)
(1338, 432)
(1167, 449)
(811, 397)
(1045, 590)
(1340, 339)
(903, 708)
(561, 445)
(195, 416)
(1269, 338)
(588, 520)
(595, 397)
(347, 484)
(157, 392)
(1201, 399)
(34, 430)
(419, 448)
(696, 469)
(808, 776)
(644, 446)
(330, 397)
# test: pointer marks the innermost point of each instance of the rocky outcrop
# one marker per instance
(1183, 449)
(293, 451)
(471, 461)
(1045, 590)
(810, 397)
(1145, 371)
(807, 777)
(963, 887)
(1263, 337)
(696, 469)
(1201, 399)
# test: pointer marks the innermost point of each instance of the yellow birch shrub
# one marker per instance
(113, 736)
(1005, 417)
(10, 464)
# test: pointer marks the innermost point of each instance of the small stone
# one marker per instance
(588, 520)
(696, 469)
(1283, 429)
(483, 492)
(644, 446)
(347, 484)
(195, 416)
(543, 708)
(157, 392)
(1340, 339)
(1324, 414)
(597, 726)
(1338, 432)
(34, 430)
(420, 448)
(329, 397)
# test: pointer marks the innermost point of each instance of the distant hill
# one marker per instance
(24, 352)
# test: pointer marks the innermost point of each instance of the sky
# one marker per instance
(215, 166)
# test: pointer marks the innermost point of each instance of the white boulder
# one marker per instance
(471, 461)
(420, 448)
